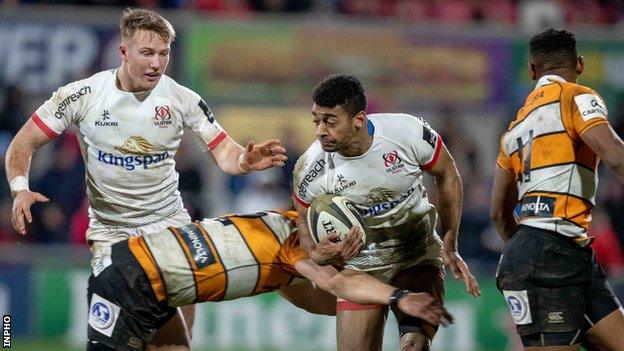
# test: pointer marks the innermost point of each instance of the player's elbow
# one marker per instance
(328, 284)
(616, 163)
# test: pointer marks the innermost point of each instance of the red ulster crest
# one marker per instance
(162, 113)
(391, 158)
(162, 118)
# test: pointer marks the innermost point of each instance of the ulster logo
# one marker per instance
(162, 118)
(393, 162)
(391, 158)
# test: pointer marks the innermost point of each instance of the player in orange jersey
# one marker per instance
(146, 277)
(547, 167)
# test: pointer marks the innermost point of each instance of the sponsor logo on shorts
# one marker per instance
(103, 315)
(537, 206)
(162, 118)
(310, 176)
(135, 343)
(62, 106)
(393, 162)
(555, 317)
(101, 264)
(518, 302)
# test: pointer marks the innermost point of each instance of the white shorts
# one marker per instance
(101, 237)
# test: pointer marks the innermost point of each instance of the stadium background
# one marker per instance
(459, 64)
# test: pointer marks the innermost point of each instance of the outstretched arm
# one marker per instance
(29, 138)
(359, 287)
(232, 158)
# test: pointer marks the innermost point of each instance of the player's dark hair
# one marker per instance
(342, 89)
(553, 49)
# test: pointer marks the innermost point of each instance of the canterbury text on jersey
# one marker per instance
(556, 172)
(385, 184)
(221, 258)
(128, 142)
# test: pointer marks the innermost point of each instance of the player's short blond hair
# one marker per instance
(133, 20)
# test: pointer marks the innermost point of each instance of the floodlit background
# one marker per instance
(459, 64)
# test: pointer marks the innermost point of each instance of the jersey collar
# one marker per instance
(548, 79)
(371, 127)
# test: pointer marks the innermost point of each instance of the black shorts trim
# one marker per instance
(552, 339)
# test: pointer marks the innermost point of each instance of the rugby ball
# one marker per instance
(333, 213)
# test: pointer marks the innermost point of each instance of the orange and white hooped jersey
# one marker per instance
(221, 258)
(556, 172)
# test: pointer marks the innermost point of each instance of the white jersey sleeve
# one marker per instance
(65, 107)
(307, 176)
(201, 121)
(425, 144)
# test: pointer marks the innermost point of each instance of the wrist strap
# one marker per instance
(241, 164)
(18, 184)
(397, 295)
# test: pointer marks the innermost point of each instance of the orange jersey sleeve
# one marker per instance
(583, 108)
(291, 253)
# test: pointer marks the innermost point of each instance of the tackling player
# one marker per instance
(377, 161)
(548, 163)
(214, 260)
(130, 121)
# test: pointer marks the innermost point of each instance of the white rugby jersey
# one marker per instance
(385, 184)
(128, 142)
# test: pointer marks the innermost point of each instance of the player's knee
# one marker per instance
(415, 342)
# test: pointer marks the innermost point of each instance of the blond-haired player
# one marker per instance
(130, 121)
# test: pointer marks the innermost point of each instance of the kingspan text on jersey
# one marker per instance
(131, 162)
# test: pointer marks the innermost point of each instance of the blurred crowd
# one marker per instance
(605, 12)
(58, 171)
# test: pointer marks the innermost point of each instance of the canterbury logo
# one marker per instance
(136, 145)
